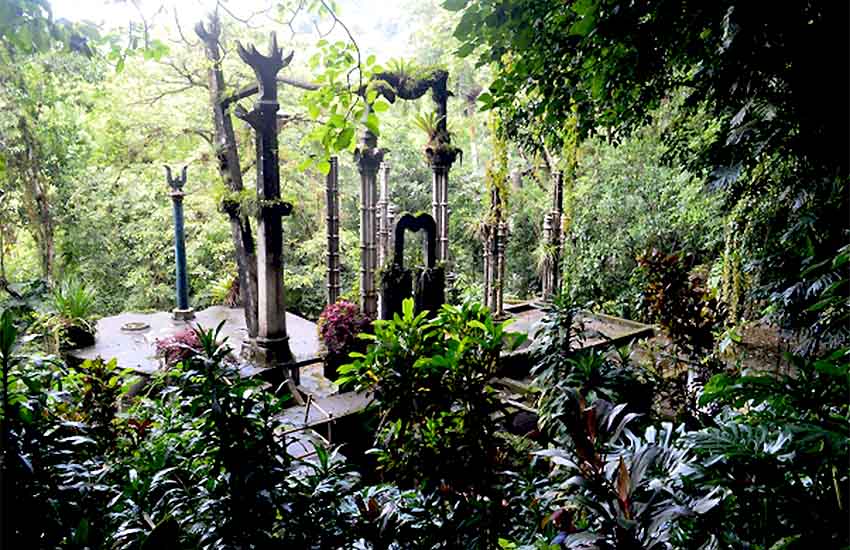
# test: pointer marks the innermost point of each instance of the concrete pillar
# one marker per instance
(368, 158)
(501, 246)
(555, 240)
(182, 312)
(272, 343)
(439, 208)
(384, 229)
(332, 198)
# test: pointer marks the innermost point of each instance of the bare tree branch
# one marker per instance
(246, 21)
(154, 99)
(190, 44)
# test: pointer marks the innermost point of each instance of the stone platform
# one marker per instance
(136, 349)
(599, 331)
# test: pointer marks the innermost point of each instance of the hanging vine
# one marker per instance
(496, 174)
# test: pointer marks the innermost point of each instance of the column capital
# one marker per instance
(368, 159)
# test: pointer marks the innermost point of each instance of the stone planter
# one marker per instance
(332, 362)
(75, 337)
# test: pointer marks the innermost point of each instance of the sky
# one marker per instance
(379, 26)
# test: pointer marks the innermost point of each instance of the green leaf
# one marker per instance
(469, 20)
(305, 164)
(372, 124)
(407, 309)
(465, 49)
(455, 5)
(380, 106)
(583, 26)
(344, 139)
(324, 167)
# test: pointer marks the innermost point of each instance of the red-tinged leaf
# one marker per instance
(623, 486)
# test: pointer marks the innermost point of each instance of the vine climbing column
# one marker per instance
(368, 157)
(495, 238)
(272, 343)
(552, 234)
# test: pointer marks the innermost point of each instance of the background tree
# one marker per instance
(775, 139)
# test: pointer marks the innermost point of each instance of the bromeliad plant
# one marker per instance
(178, 348)
(339, 325)
(69, 323)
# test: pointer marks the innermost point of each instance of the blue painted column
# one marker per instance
(182, 312)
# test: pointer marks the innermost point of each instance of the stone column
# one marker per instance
(332, 191)
(368, 158)
(392, 211)
(546, 274)
(495, 236)
(182, 312)
(488, 270)
(384, 229)
(272, 343)
(440, 165)
(501, 245)
(552, 237)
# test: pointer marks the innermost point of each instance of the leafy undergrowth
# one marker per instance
(201, 461)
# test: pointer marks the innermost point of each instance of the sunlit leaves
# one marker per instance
(346, 100)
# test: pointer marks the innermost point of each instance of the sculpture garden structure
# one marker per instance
(182, 311)
(272, 342)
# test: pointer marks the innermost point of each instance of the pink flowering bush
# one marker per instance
(339, 325)
(178, 348)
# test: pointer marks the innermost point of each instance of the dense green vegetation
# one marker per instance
(703, 147)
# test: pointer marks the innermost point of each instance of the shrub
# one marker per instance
(178, 348)
(680, 301)
(339, 325)
(432, 378)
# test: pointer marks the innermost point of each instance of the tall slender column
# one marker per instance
(557, 230)
(551, 276)
(383, 216)
(488, 270)
(368, 158)
(501, 245)
(495, 237)
(546, 271)
(182, 312)
(439, 206)
(272, 341)
(332, 191)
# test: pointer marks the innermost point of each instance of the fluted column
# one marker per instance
(332, 197)
(384, 228)
(368, 157)
(501, 246)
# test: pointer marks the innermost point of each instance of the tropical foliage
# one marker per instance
(702, 148)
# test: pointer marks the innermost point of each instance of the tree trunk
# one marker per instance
(38, 209)
(231, 173)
